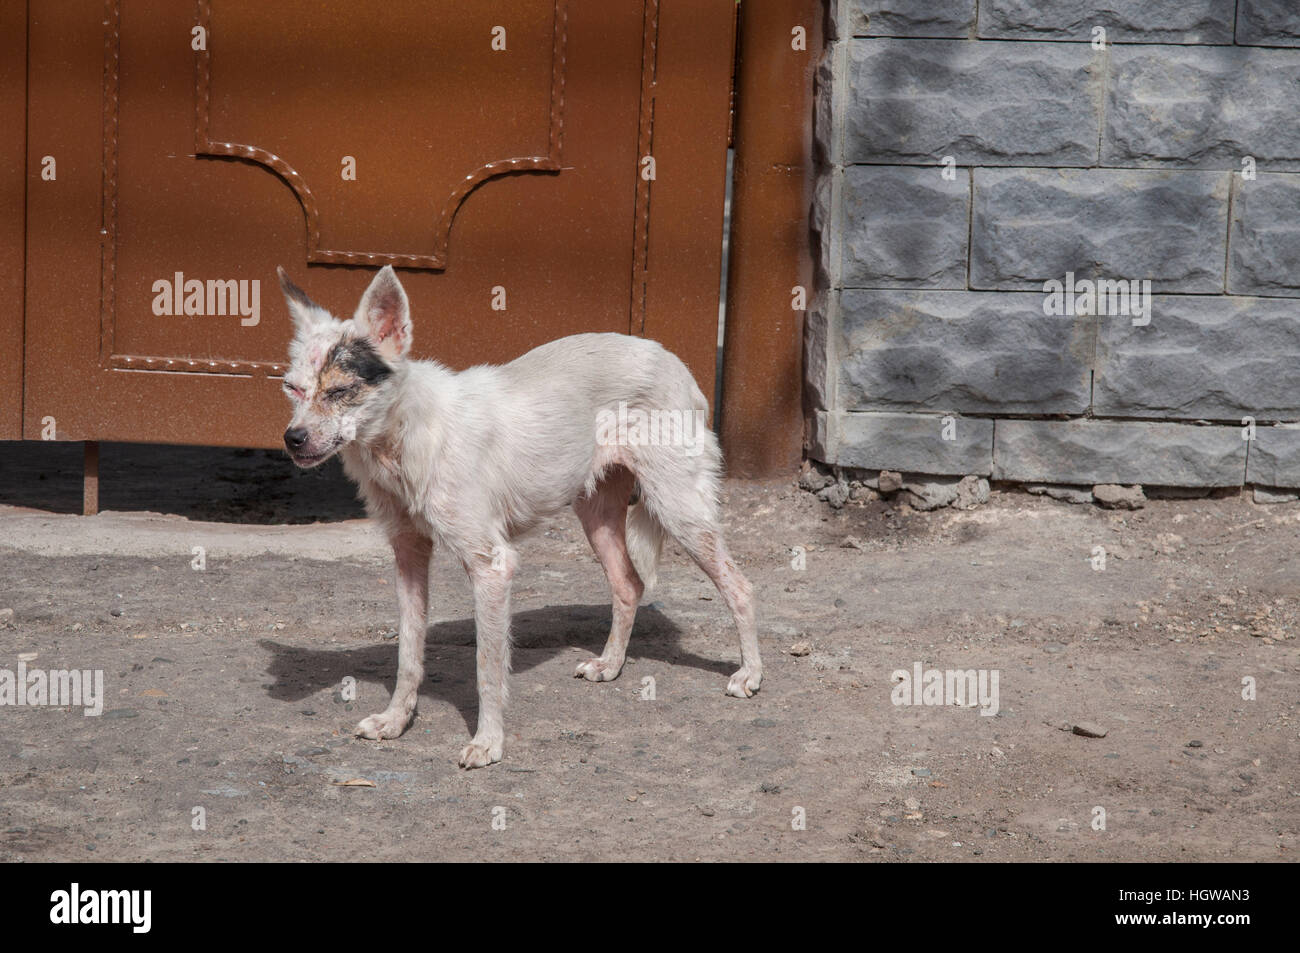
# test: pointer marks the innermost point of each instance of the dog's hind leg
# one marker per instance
(682, 496)
(491, 575)
(412, 551)
(604, 518)
(710, 553)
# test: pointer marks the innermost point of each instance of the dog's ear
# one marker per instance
(384, 315)
(305, 312)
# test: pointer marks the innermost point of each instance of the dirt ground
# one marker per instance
(224, 684)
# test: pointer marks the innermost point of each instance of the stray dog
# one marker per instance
(474, 459)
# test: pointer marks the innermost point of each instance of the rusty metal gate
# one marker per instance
(533, 168)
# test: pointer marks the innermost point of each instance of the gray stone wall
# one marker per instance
(976, 152)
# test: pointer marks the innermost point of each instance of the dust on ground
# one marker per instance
(224, 684)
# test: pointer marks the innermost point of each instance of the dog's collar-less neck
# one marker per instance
(385, 452)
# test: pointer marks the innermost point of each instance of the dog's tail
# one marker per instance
(645, 540)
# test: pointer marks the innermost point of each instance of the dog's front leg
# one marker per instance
(491, 577)
(412, 552)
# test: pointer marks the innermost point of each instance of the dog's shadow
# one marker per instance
(450, 675)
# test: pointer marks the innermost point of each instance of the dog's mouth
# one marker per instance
(309, 460)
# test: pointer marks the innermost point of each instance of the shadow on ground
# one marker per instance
(302, 672)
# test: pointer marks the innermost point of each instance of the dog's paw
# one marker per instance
(481, 752)
(597, 670)
(387, 724)
(744, 683)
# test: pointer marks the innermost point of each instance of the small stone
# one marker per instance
(890, 481)
(1265, 495)
(1196, 744)
(836, 495)
(801, 649)
(813, 480)
(963, 494)
(121, 713)
(849, 542)
(115, 611)
(912, 804)
(706, 811)
(763, 723)
(6, 615)
(972, 491)
(1112, 496)
(1088, 729)
(921, 772)
(929, 496)
(1061, 491)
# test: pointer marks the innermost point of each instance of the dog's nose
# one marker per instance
(295, 437)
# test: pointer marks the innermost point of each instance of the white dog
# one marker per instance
(474, 459)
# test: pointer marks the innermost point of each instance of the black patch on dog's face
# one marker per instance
(359, 358)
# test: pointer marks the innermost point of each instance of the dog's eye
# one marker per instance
(294, 392)
(337, 393)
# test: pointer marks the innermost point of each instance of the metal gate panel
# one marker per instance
(13, 106)
(480, 173)
(691, 112)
